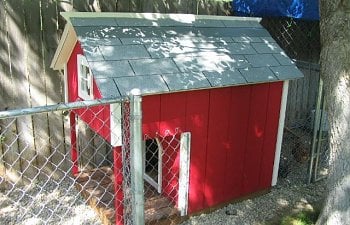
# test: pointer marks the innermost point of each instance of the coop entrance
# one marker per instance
(152, 161)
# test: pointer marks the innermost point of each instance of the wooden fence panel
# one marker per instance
(19, 68)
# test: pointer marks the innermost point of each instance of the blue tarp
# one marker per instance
(301, 9)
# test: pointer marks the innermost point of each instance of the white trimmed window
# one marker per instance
(84, 79)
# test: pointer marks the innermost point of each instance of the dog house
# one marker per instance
(223, 79)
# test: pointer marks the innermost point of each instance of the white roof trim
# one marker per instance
(65, 48)
(153, 16)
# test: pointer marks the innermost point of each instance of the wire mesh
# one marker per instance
(161, 169)
(300, 39)
(71, 174)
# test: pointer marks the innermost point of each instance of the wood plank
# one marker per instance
(147, 6)
(83, 6)
(217, 146)
(255, 137)
(305, 110)
(197, 115)
(291, 104)
(238, 128)
(172, 113)
(173, 122)
(150, 115)
(270, 137)
(299, 97)
(123, 6)
(159, 6)
(38, 90)
(134, 6)
(108, 5)
(54, 88)
(207, 7)
(18, 54)
(62, 6)
(224, 8)
(5, 88)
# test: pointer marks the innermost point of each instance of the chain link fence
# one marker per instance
(161, 155)
(304, 155)
(84, 179)
(89, 177)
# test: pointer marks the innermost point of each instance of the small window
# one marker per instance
(84, 79)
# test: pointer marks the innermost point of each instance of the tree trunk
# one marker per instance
(335, 71)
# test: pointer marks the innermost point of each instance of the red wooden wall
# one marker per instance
(98, 117)
(234, 132)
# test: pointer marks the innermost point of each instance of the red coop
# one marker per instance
(222, 79)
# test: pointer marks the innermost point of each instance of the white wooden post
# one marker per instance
(184, 173)
(280, 132)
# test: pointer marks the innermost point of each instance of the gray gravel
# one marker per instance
(258, 210)
(45, 203)
(60, 203)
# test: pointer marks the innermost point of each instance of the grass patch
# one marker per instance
(301, 218)
(307, 216)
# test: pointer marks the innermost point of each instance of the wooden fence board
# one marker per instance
(207, 7)
(9, 145)
(159, 6)
(82, 6)
(305, 97)
(108, 5)
(123, 5)
(18, 54)
(5, 82)
(147, 6)
(54, 87)
(37, 83)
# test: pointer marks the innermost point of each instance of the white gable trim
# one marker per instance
(65, 48)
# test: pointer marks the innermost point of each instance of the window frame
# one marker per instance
(85, 94)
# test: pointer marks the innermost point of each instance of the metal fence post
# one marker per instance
(136, 160)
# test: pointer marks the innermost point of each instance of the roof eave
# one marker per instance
(65, 47)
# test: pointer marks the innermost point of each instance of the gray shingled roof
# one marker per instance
(160, 55)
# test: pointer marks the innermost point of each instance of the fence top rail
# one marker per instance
(58, 107)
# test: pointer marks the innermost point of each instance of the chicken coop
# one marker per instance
(223, 81)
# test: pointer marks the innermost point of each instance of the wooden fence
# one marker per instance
(29, 35)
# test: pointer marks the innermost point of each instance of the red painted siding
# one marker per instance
(217, 146)
(197, 106)
(234, 133)
(237, 133)
(97, 117)
(255, 137)
(271, 129)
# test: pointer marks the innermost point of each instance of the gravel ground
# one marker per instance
(45, 203)
(60, 203)
(258, 210)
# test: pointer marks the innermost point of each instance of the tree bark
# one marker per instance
(335, 72)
